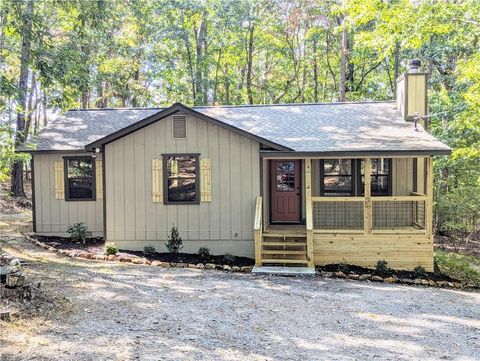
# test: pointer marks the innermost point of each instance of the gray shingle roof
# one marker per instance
(331, 127)
(334, 127)
(76, 128)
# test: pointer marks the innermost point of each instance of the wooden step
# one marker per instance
(286, 244)
(281, 251)
(285, 235)
(283, 261)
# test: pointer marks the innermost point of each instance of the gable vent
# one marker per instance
(179, 126)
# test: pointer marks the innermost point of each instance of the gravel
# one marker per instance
(95, 310)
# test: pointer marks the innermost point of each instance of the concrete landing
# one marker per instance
(284, 271)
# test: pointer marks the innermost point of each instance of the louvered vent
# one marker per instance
(179, 126)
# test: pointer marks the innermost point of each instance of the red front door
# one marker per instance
(285, 195)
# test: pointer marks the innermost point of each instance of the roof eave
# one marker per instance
(356, 153)
(178, 107)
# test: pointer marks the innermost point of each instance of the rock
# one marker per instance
(111, 257)
(458, 285)
(89, 256)
(227, 268)
(99, 257)
(424, 282)
(156, 263)
(181, 265)
(449, 284)
(173, 264)
(218, 267)
(191, 265)
(417, 281)
(365, 277)
(340, 275)
(11, 280)
(137, 261)
(246, 269)
(51, 249)
(431, 283)
(407, 281)
(210, 266)
(146, 262)
(235, 269)
(327, 274)
(391, 280)
(353, 276)
(165, 264)
(377, 279)
(200, 266)
(5, 316)
(125, 259)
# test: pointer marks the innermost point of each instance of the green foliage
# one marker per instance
(382, 268)
(228, 258)
(174, 243)
(458, 266)
(204, 252)
(78, 232)
(149, 250)
(420, 272)
(110, 249)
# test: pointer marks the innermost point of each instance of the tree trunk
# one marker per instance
(315, 72)
(250, 64)
(28, 123)
(396, 67)
(343, 65)
(44, 108)
(17, 167)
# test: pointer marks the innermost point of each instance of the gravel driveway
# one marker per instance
(96, 310)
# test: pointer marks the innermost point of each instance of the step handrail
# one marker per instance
(257, 230)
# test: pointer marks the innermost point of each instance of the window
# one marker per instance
(285, 176)
(79, 178)
(179, 126)
(336, 177)
(380, 177)
(180, 177)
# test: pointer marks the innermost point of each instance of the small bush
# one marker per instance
(78, 232)
(149, 250)
(228, 258)
(174, 243)
(111, 248)
(382, 268)
(420, 272)
(204, 252)
(343, 267)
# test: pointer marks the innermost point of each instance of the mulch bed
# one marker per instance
(194, 258)
(434, 276)
(96, 244)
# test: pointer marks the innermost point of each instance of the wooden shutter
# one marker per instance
(59, 180)
(206, 180)
(99, 178)
(157, 181)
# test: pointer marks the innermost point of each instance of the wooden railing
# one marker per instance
(257, 230)
(368, 215)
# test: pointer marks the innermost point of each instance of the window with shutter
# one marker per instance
(179, 126)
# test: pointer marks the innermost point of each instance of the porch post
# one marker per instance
(309, 211)
(429, 202)
(367, 209)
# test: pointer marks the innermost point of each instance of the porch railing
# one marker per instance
(257, 230)
(390, 214)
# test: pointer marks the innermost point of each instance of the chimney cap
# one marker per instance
(414, 65)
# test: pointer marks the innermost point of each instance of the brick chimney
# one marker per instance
(412, 91)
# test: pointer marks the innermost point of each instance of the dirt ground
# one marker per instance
(94, 310)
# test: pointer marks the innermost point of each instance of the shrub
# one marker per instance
(78, 232)
(204, 252)
(382, 268)
(149, 250)
(228, 258)
(174, 243)
(110, 248)
(420, 272)
(343, 267)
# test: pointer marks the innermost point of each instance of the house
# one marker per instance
(285, 184)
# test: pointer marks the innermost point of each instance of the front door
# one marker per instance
(285, 194)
